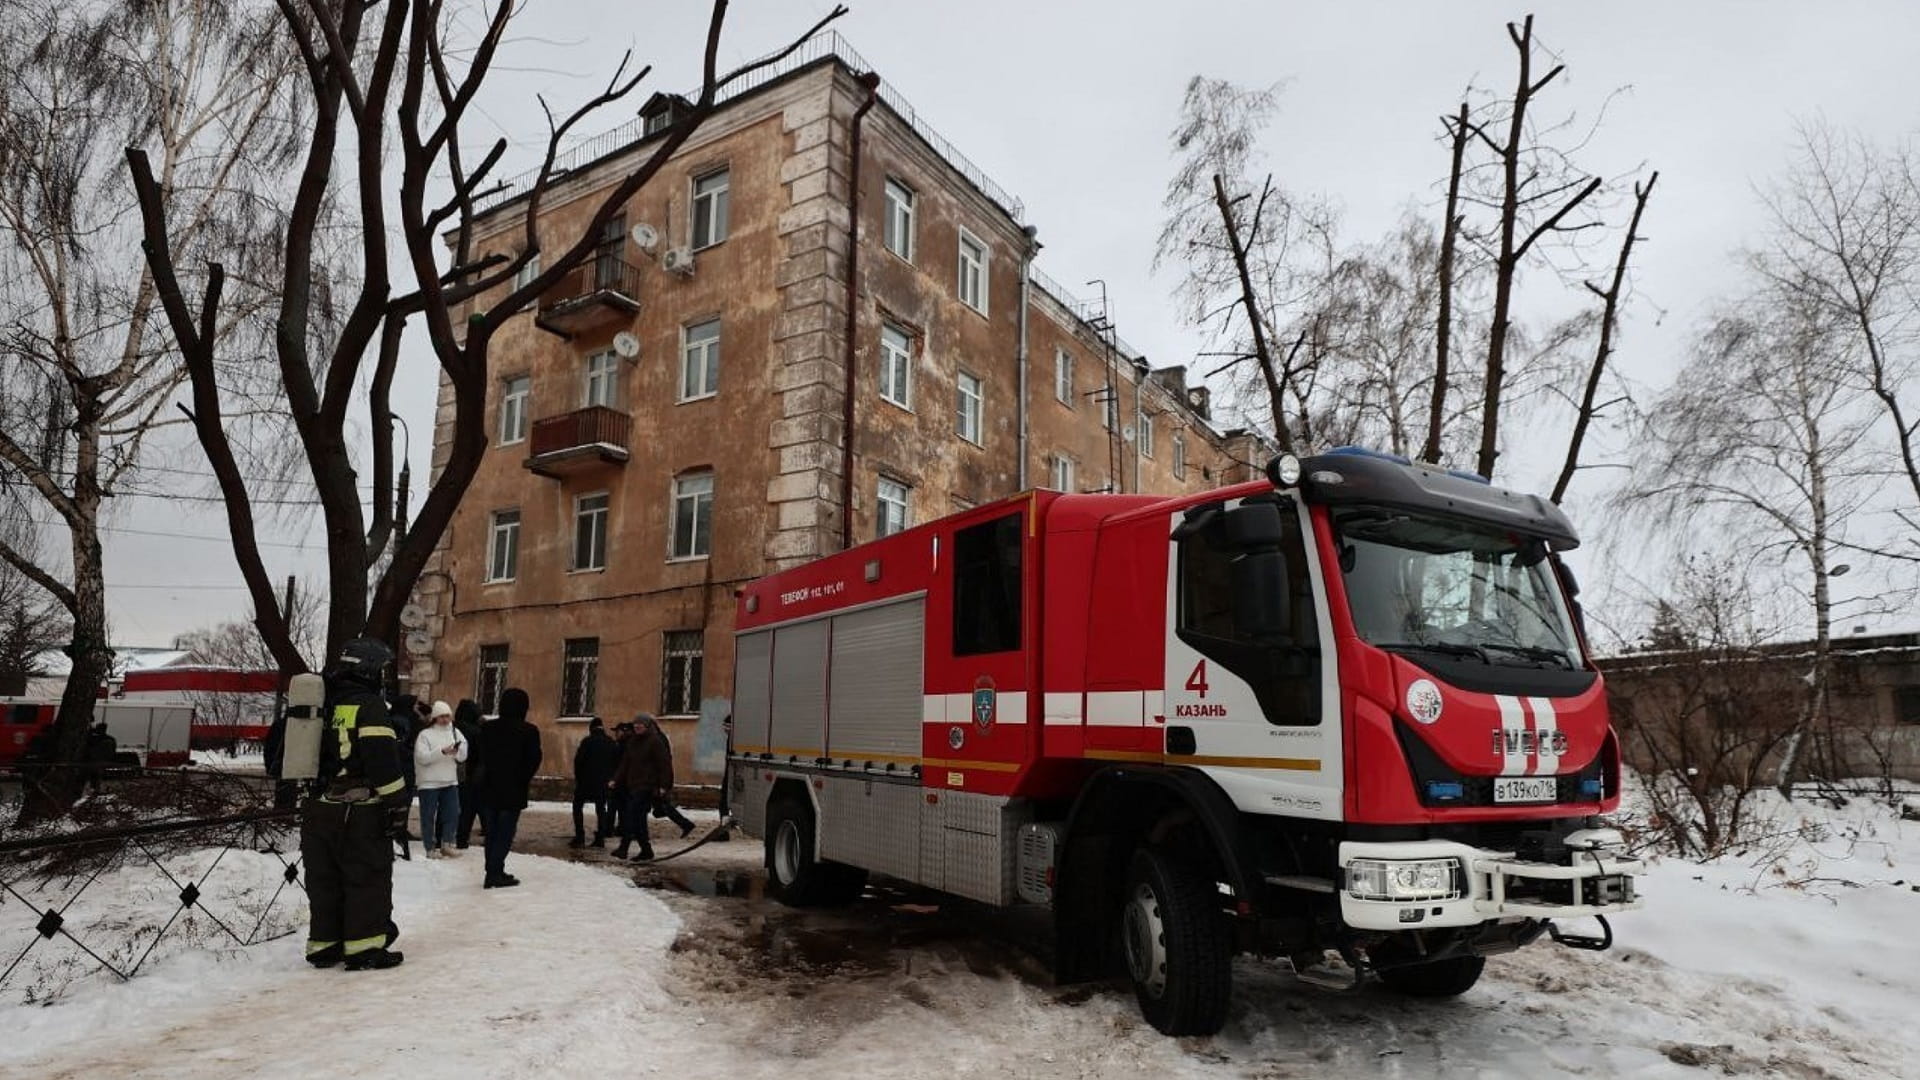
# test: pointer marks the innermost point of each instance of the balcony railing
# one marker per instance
(595, 435)
(601, 290)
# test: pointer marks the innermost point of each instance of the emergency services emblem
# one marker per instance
(985, 703)
(1424, 701)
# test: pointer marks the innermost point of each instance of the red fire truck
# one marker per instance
(1343, 716)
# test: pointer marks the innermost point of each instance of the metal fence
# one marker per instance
(167, 837)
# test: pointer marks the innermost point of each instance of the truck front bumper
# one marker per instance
(1425, 884)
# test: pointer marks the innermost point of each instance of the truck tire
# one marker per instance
(1439, 979)
(1177, 946)
(797, 878)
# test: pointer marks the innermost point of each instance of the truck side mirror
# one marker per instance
(1262, 606)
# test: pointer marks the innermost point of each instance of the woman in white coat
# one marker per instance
(437, 753)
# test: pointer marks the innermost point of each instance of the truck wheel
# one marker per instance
(799, 879)
(1442, 978)
(1177, 944)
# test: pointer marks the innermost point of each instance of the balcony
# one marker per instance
(602, 291)
(576, 441)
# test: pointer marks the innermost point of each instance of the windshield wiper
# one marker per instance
(1534, 652)
(1446, 648)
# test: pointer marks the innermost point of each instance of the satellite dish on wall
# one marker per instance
(413, 616)
(646, 237)
(419, 643)
(1126, 434)
(626, 345)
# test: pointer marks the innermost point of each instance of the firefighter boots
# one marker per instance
(374, 960)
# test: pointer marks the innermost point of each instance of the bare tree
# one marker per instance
(1254, 264)
(1457, 134)
(1704, 717)
(1590, 407)
(1534, 194)
(32, 622)
(384, 77)
(1764, 432)
(84, 374)
(1846, 237)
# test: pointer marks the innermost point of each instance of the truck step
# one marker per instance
(1331, 972)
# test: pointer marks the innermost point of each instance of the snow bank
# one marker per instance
(558, 975)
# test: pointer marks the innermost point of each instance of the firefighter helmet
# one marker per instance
(364, 659)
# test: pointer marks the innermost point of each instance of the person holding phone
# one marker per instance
(438, 752)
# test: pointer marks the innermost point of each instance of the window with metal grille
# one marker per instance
(897, 231)
(896, 365)
(489, 678)
(682, 653)
(579, 676)
(710, 209)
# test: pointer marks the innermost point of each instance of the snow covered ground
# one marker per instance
(1806, 966)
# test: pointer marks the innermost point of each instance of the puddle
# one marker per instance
(742, 884)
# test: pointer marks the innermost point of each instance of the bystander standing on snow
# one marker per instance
(509, 758)
(438, 751)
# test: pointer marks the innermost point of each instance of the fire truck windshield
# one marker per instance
(1425, 583)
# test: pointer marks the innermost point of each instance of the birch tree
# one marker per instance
(85, 374)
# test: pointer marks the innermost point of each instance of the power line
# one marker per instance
(180, 588)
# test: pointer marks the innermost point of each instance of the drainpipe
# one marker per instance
(871, 82)
(1026, 297)
(1139, 377)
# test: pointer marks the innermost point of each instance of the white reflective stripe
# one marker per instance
(1009, 707)
(1513, 725)
(1117, 708)
(1062, 710)
(1545, 726)
(1012, 708)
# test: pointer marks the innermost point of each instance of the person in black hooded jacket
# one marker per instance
(509, 757)
(593, 765)
(466, 720)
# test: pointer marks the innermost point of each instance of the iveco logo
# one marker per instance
(1551, 743)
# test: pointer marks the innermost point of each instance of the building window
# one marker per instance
(579, 676)
(1062, 473)
(1146, 434)
(609, 269)
(1110, 408)
(896, 365)
(700, 360)
(692, 526)
(1906, 704)
(682, 653)
(489, 678)
(590, 532)
(503, 545)
(603, 380)
(527, 272)
(971, 403)
(710, 209)
(513, 408)
(898, 231)
(894, 506)
(1180, 456)
(973, 272)
(1063, 377)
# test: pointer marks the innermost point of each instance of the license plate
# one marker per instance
(1510, 789)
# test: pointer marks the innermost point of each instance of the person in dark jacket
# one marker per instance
(346, 833)
(646, 772)
(466, 720)
(617, 795)
(100, 750)
(509, 758)
(593, 764)
(663, 806)
(405, 717)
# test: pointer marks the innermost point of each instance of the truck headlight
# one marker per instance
(1404, 879)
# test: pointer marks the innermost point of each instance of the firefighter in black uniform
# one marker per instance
(346, 834)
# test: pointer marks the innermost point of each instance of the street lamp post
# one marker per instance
(406, 475)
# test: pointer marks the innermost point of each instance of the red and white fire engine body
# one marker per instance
(1343, 711)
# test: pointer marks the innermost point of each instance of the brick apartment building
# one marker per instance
(628, 491)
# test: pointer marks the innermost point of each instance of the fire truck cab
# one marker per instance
(1343, 716)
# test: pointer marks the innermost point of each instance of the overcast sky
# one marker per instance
(1068, 106)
